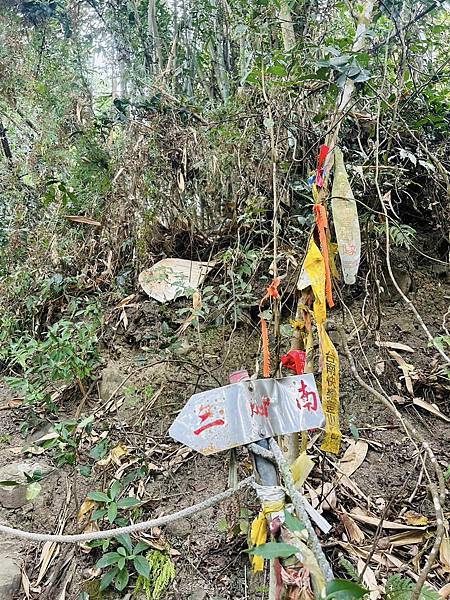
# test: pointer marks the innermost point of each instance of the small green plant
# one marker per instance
(32, 484)
(447, 474)
(64, 440)
(400, 235)
(240, 526)
(353, 428)
(110, 504)
(67, 354)
(124, 561)
(400, 588)
(162, 573)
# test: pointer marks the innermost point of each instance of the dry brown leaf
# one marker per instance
(406, 369)
(430, 408)
(83, 219)
(415, 518)
(375, 521)
(313, 496)
(397, 399)
(369, 579)
(124, 319)
(445, 591)
(196, 300)
(328, 495)
(395, 346)
(406, 538)
(353, 457)
(91, 526)
(126, 301)
(114, 456)
(379, 367)
(86, 508)
(354, 533)
(180, 181)
(444, 552)
(14, 403)
(385, 559)
(49, 552)
(26, 584)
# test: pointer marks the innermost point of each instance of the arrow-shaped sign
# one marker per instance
(244, 412)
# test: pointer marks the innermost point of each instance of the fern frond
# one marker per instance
(162, 573)
(400, 588)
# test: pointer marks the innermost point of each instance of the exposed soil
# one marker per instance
(209, 561)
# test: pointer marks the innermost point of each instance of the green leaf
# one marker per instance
(274, 550)
(33, 491)
(140, 547)
(342, 589)
(121, 550)
(98, 514)
(9, 483)
(292, 522)
(110, 558)
(141, 565)
(86, 421)
(128, 502)
(121, 563)
(125, 540)
(100, 450)
(112, 512)
(85, 470)
(222, 525)
(99, 497)
(107, 579)
(121, 580)
(114, 490)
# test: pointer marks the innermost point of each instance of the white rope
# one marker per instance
(275, 454)
(144, 525)
(299, 504)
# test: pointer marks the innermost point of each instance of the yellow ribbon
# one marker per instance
(315, 269)
(330, 392)
(259, 531)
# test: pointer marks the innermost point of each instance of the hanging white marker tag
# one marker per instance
(244, 412)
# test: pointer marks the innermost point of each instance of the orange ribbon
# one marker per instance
(265, 348)
(322, 224)
(272, 289)
(271, 292)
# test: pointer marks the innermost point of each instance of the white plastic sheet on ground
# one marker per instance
(173, 277)
(244, 412)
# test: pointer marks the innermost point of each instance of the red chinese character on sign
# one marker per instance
(304, 401)
(206, 413)
(262, 410)
(350, 249)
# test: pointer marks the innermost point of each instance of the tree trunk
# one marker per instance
(153, 35)
(287, 26)
(5, 143)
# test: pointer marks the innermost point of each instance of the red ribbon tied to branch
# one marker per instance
(323, 153)
(295, 361)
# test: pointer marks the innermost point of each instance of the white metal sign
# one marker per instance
(244, 412)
